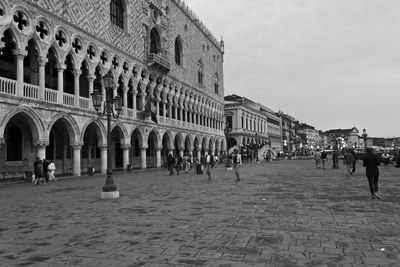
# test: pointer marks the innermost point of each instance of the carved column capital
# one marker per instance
(126, 147)
(41, 143)
(42, 61)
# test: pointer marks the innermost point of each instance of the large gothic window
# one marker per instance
(117, 13)
(216, 83)
(178, 51)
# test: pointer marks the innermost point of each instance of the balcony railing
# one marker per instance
(50, 95)
(31, 91)
(8, 86)
(68, 99)
(156, 59)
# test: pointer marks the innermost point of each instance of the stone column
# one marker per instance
(170, 110)
(158, 157)
(41, 149)
(198, 153)
(91, 78)
(143, 156)
(181, 113)
(164, 108)
(20, 55)
(76, 169)
(42, 63)
(181, 152)
(134, 93)
(171, 151)
(190, 151)
(126, 149)
(103, 157)
(157, 106)
(60, 82)
(176, 112)
(125, 96)
(76, 73)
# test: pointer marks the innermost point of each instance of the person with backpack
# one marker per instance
(237, 162)
(209, 162)
(324, 158)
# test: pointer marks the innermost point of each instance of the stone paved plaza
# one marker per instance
(286, 213)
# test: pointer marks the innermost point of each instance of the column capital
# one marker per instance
(42, 61)
(103, 146)
(41, 143)
(19, 53)
(124, 88)
(91, 77)
(144, 146)
(126, 147)
(77, 146)
(61, 66)
(76, 73)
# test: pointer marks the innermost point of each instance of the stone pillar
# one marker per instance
(176, 112)
(181, 152)
(134, 93)
(20, 55)
(76, 73)
(41, 149)
(76, 167)
(164, 107)
(103, 93)
(190, 151)
(158, 157)
(143, 156)
(103, 157)
(91, 78)
(171, 151)
(60, 82)
(181, 113)
(42, 63)
(157, 107)
(198, 153)
(126, 149)
(125, 96)
(170, 110)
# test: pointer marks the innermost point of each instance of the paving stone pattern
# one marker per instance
(286, 213)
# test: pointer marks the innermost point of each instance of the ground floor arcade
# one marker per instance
(76, 142)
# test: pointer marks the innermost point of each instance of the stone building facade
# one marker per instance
(54, 54)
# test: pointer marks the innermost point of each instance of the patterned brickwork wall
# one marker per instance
(93, 17)
(193, 42)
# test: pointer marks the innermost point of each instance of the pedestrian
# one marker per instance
(371, 163)
(51, 170)
(348, 160)
(317, 158)
(335, 159)
(171, 163)
(237, 162)
(386, 158)
(209, 163)
(178, 164)
(324, 158)
(38, 170)
(355, 160)
(45, 170)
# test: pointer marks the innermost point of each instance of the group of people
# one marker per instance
(208, 161)
(370, 162)
(43, 169)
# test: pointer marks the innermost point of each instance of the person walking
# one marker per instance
(324, 158)
(51, 170)
(45, 170)
(371, 163)
(317, 158)
(237, 162)
(171, 163)
(355, 160)
(348, 160)
(38, 170)
(178, 164)
(335, 159)
(209, 162)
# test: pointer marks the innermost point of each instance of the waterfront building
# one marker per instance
(342, 138)
(165, 64)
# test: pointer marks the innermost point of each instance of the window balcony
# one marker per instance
(158, 61)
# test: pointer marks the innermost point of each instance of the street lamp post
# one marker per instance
(110, 104)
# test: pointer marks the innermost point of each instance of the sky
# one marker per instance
(328, 63)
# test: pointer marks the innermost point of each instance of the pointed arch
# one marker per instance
(70, 124)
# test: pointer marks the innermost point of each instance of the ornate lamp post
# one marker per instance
(364, 136)
(227, 131)
(110, 104)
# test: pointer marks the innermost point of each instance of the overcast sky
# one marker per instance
(329, 63)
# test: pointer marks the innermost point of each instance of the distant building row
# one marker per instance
(249, 123)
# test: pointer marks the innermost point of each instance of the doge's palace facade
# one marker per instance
(54, 54)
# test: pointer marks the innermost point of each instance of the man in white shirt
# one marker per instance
(209, 163)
